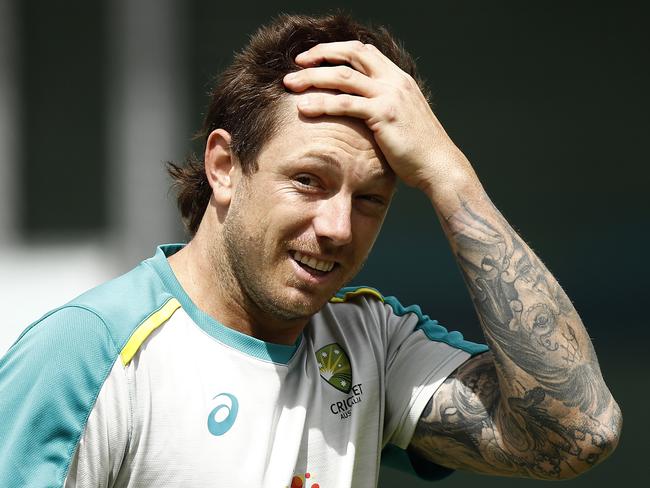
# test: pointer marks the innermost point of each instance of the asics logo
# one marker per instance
(222, 417)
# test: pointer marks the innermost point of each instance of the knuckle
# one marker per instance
(407, 82)
(346, 102)
(390, 113)
(357, 45)
(345, 72)
(397, 93)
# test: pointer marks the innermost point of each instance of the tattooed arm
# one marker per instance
(536, 405)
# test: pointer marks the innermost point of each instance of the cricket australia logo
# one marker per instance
(334, 367)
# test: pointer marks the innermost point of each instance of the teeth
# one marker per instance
(313, 262)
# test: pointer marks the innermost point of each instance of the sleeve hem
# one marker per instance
(404, 433)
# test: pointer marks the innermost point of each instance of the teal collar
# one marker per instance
(267, 351)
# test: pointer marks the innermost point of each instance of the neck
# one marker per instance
(210, 284)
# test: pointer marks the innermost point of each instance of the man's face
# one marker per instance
(302, 225)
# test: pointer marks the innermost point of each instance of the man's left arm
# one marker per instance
(535, 405)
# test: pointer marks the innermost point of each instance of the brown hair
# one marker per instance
(245, 98)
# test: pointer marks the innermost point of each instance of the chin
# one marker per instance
(291, 313)
(299, 304)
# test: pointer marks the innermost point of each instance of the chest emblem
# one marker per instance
(222, 417)
(334, 367)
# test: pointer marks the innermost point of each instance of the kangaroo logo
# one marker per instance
(222, 417)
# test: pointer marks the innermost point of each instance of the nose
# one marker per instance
(333, 220)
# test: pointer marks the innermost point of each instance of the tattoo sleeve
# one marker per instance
(535, 405)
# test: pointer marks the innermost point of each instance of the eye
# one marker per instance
(374, 199)
(307, 181)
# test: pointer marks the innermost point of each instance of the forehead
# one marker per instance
(332, 140)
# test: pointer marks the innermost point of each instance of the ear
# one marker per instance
(219, 166)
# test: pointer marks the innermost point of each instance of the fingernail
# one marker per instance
(290, 76)
(304, 102)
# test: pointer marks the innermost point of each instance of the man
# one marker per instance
(238, 359)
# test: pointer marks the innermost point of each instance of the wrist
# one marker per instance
(451, 183)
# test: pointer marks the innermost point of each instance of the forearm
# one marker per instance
(547, 372)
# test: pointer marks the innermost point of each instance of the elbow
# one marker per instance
(595, 448)
(613, 423)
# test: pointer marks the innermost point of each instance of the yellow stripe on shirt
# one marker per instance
(143, 331)
(354, 293)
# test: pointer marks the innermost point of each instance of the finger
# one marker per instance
(381, 55)
(314, 105)
(353, 53)
(342, 78)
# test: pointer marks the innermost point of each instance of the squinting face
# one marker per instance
(301, 226)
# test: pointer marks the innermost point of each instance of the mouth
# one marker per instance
(313, 265)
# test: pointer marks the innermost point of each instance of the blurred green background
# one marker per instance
(549, 100)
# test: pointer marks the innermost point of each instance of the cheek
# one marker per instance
(366, 230)
(279, 226)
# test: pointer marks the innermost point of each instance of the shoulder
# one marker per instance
(124, 303)
(92, 328)
(52, 375)
(79, 342)
(396, 317)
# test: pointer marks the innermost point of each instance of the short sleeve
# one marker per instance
(49, 382)
(102, 447)
(420, 355)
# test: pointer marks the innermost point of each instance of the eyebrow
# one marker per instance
(334, 162)
(323, 157)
